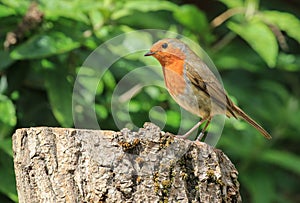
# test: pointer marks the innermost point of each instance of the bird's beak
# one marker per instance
(150, 53)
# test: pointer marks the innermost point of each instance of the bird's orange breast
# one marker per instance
(173, 73)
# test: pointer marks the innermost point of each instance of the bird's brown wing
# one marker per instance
(211, 86)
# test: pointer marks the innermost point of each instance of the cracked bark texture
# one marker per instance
(76, 165)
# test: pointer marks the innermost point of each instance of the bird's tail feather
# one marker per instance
(247, 118)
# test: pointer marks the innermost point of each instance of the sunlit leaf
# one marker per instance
(146, 6)
(285, 21)
(97, 19)
(134, 106)
(191, 17)
(173, 118)
(101, 111)
(143, 6)
(6, 11)
(17, 5)
(68, 9)
(109, 80)
(44, 45)
(260, 38)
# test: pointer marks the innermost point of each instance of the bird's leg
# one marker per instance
(203, 130)
(188, 133)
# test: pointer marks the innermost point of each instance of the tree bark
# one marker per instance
(76, 165)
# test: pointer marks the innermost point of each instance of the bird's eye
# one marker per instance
(164, 45)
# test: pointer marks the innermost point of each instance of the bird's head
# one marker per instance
(167, 50)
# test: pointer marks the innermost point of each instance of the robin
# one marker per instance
(193, 85)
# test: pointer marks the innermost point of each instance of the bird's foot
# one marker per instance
(200, 136)
(186, 136)
(183, 136)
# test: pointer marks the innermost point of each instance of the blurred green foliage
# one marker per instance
(254, 44)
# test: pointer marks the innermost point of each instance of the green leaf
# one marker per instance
(284, 159)
(134, 106)
(60, 95)
(8, 118)
(7, 183)
(17, 5)
(191, 17)
(131, 43)
(44, 45)
(173, 118)
(289, 62)
(147, 6)
(74, 10)
(230, 57)
(284, 21)
(260, 185)
(143, 6)
(6, 11)
(141, 20)
(5, 59)
(101, 111)
(260, 38)
(275, 88)
(155, 94)
(89, 79)
(6, 146)
(109, 80)
(96, 18)
(3, 84)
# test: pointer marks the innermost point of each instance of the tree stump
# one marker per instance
(77, 165)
